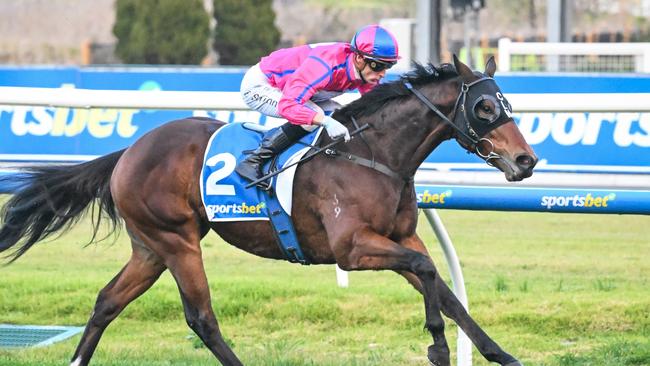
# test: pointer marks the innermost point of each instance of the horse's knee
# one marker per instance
(192, 319)
(201, 322)
(105, 311)
(421, 265)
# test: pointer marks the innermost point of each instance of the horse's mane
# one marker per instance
(383, 93)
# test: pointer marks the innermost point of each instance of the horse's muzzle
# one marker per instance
(521, 168)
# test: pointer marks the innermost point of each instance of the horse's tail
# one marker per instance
(53, 198)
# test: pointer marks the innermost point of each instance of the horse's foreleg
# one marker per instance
(413, 280)
(187, 268)
(452, 308)
(370, 250)
(142, 270)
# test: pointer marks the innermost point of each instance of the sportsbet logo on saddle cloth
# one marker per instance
(224, 193)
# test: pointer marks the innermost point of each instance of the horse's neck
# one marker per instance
(405, 135)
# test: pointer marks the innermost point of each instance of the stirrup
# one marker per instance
(265, 185)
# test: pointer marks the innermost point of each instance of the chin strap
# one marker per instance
(361, 74)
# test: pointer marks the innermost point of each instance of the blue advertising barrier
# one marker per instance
(581, 142)
(597, 201)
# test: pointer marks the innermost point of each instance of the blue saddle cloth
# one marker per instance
(224, 193)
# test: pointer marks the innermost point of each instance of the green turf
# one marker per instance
(552, 289)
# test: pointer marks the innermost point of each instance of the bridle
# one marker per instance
(471, 128)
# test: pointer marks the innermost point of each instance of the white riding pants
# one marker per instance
(261, 96)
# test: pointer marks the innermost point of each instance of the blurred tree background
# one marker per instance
(245, 30)
(62, 31)
(161, 31)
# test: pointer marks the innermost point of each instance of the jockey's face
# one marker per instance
(367, 73)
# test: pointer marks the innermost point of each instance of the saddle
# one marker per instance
(224, 193)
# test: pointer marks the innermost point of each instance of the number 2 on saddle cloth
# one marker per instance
(224, 193)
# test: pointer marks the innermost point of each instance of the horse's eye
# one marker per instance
(486, 108)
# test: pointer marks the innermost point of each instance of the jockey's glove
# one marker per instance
(335, 129)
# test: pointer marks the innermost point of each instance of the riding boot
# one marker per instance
(273, 143)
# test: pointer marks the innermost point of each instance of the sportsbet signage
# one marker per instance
(587, 200)
(565, 141)
(532, 199)
(611, 139)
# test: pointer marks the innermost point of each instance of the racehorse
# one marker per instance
(362, 217)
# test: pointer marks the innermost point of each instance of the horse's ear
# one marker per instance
(463, 70)
(490, 67)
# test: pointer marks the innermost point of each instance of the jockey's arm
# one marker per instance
(312, 76)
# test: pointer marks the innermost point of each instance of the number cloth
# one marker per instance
(224, 193)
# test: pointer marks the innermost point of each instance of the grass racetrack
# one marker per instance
(551, 289)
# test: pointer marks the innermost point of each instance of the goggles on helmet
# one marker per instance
(377, 65)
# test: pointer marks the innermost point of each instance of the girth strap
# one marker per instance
(283, 229)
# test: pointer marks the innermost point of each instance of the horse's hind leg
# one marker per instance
(137, 276)
(180, 248)
(187, 269)
(451, 307)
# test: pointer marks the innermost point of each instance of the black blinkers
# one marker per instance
(471, 96)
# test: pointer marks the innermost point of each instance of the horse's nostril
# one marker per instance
(526, 161)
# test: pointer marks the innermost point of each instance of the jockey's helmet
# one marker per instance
(376, 43)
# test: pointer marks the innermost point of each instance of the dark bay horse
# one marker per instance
(358, 217)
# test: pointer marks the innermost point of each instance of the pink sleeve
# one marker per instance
(311, 76)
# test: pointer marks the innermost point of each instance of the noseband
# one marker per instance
(471, 127)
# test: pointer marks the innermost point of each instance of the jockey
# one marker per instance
(298, 83)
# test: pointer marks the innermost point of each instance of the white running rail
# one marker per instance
(191, 100)
(617, 56)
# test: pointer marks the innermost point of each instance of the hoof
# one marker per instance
(438, 356)
(514, 363)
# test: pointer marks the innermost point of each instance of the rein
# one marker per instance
(308, 156)
(367, 163)
(432, 107)
(473, 137)
(372, 163)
